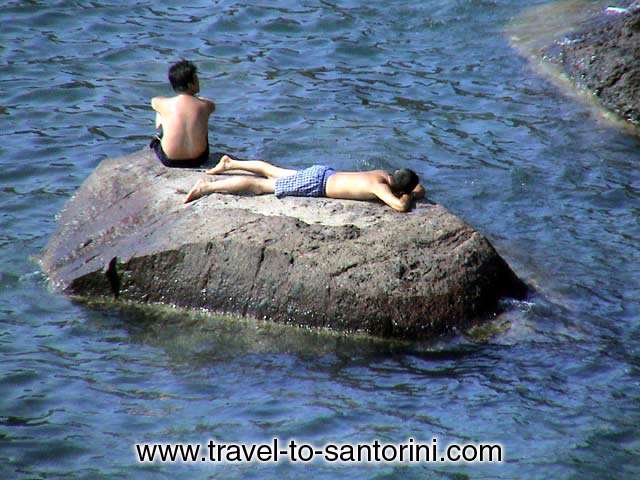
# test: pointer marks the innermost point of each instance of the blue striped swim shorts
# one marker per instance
(310, 182)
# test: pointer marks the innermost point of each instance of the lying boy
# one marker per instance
(395, 190)
(183, 119)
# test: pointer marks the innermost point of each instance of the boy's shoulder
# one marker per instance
(189, 102)
(159, 102)
(206, 103)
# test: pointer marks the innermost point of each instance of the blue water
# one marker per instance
(432, 85)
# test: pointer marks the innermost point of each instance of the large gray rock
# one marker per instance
(347, 265)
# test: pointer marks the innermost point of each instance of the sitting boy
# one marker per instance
(183, 119)
(395, 190)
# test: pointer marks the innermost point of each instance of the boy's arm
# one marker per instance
(384, 193)
(157, 105)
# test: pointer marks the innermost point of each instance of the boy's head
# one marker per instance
(183, 77)
(404, 180)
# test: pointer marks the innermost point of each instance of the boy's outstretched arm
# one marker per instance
(384, 193)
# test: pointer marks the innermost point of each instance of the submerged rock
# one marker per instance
(604, 57)
(347, 265)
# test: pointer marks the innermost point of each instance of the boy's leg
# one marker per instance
(236, 184)
(260, 167)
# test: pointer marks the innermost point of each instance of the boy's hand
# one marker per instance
(418, 192)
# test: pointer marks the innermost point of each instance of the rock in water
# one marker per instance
(346, 265)
(604, 58)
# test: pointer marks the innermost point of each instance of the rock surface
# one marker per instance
(604, 57)
(351, 266)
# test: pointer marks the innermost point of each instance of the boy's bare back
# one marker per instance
(374, 184)
(356, 185)
(184, 120)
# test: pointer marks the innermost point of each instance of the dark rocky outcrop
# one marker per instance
(352, 266)
(603, 56)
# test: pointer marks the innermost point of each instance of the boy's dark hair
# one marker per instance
(181, 74)
(404, 180)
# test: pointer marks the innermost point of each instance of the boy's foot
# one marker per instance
(198, 190)
(223, 165)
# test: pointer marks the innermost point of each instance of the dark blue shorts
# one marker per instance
(156, 146)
